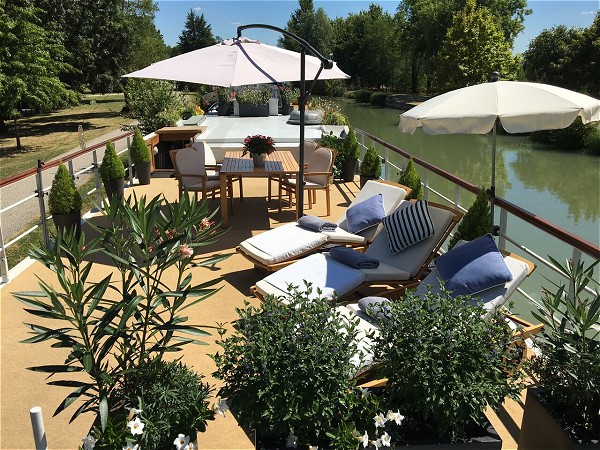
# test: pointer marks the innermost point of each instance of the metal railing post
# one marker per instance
(97, 178)
(130, 168)
(457, 194)
(71, 170)
(426, 185)
(40, 194)
(39, 431)
(3, 260)
(503, 227)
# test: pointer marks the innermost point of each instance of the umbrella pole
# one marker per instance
(301, 107)
(493, 186)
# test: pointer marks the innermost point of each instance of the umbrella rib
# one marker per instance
(260, 69)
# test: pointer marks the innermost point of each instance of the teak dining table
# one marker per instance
(234, 164)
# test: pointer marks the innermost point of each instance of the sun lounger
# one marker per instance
(493, 298)
(281, 246)
(335, 279)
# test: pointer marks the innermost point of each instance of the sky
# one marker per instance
(224, 16)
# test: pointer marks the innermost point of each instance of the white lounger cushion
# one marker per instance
(323, 272)
(284, 242)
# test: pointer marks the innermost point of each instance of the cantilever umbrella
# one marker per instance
(520, 107)
(241, 61)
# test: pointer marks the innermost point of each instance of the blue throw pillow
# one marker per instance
(365, 214)
(473, 267)
(407, 226)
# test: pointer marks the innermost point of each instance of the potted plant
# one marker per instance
(476, 222)
(285, 92)
(253, 101)
(563, 410)
(259, 147)
(350, 154)
(64, 202)
(410, 178)
(112, 172)
(224, 102)
(370, 166)
(140, 157)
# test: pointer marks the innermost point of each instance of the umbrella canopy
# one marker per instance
(520, 107)
(237, 62)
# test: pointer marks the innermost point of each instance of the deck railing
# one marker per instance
(509, 213)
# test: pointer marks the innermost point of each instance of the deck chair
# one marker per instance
(493, 299)
(212, 167)
(281, 246)
(318, 176)
(336, 280)
(192, 176)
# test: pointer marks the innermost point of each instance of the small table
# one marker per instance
(277, 163)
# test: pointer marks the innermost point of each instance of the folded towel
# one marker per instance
(374, 306)
(316, 223)
(353, 258)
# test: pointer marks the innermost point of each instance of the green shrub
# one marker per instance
(335, 88)
(377, 99)
(287, 369)
(332, 141)
(444, 362)
(410, 178)
(253, 95)
(370, 166)
(112, 167)
(575, 136)
(63, 197)
(351, 148)
(568, 366)
(362, 96)
(139, 150)
(593, 147)
(476, 222)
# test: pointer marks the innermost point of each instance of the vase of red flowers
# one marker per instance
(259, 147)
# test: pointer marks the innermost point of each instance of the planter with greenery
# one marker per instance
(118, 329)
(350, 154)
(254, 101)
(140, 157)
(112, 172)
(567, 367)
(411, 179)
(223, 101)
(64, 202)
(370, 166)
(445, 362)
(476, 222)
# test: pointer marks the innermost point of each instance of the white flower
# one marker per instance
(365, 392)
(222, 407)
(395, 416)
(130, 446)
(88, 442)
(377, 444)
(364, 440)
(386, 439)
(191, 446)
(379, 421)
(181, 441)
(136, 426)
(291, 441)
(313, 447)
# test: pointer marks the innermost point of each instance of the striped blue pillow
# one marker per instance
(407, 226)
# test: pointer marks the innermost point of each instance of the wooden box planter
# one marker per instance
(540, 431)
(248, 110)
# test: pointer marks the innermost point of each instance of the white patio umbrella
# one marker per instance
(242, 61)
(520, 107)
(236, 62)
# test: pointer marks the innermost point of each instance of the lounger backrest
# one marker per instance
(392, 194)
(190, 161)
(492, 298)
(209, 156)
(320, 161)
(412, 258)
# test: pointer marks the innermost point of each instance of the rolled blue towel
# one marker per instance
(374, 306)
(316, 223)
(353, 258)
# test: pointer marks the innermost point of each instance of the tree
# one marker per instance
(30, 60)
(474, 47)
(476, 222)
(196, 34)
(312, 26)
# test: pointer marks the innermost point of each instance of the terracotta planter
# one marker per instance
(114, 188)
(540, 431)
(71, 221)
(142, 170)
(348, 167)
(247, 110)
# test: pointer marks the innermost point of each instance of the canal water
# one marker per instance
(559, 186)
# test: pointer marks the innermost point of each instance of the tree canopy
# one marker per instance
(196, 34)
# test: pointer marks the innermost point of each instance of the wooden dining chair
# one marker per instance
(192, 176)
(318, 176)
(309, 149)
(212, 167)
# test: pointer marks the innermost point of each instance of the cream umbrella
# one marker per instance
(520, 107)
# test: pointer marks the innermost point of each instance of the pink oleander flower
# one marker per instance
(205, 223)
(186, 252)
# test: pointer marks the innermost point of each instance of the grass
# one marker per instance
(47, 136)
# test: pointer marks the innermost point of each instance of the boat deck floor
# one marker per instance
(22, 389)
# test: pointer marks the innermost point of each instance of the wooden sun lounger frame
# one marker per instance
(276, 266)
